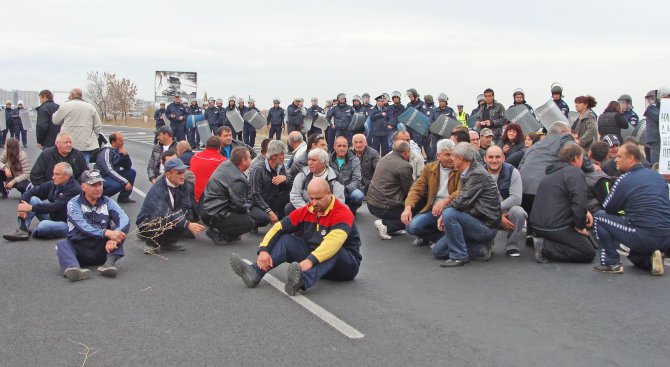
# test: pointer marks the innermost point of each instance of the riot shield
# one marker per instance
(357, 121)
(416, 120)
(367, 125)
(320, 121)
(166, 120)
(192, 119)
(521, 115)
(255, 119)
(444, 125)
(25, 120)
(472, 120)
(549, 113)
(235, 119)
(3, 120)
(204, 130)
(640, 132)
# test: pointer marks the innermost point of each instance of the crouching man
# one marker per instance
(97, 228)
(47, 202)
(319, 240)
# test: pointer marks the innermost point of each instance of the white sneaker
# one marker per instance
(382, 230)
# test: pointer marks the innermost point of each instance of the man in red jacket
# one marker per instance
(204, 163)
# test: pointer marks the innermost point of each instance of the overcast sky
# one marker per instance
(307, 48)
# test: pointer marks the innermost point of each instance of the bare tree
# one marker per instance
(96, 92)
(110, 95)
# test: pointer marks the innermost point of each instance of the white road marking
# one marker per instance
(140, 193)
(318, 311)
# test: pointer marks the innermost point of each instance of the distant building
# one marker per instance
(30, 98)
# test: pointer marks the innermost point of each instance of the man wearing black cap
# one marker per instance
(98, 227)
(557, 96)
(379, 126)
(177, 113)
(165, 142)
(168, 199)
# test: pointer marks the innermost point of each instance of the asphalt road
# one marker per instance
(192, 310)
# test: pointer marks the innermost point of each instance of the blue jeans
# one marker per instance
(47, 228)
(111, 186)
(424, 226)
(71, 255)
(354, 200)
(464, 235)
(611, 229)
(288, 248)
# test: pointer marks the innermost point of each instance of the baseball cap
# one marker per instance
(175, 163)
(91, 177)
(486, 132)
(611, 140)
(165, 130)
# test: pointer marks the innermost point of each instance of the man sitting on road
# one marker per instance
(47, 202)
(50, 157)
(472, 219)
(415, 157)
(319, 240)
(300, 162)
(559, 217)
(97, 228)
(508, 181)
(347, 165)
(317, 166)
(168, 199)
(165, 141)
(437, 186)
(225, 133)
(389, 188)
(368, 158)
(204, 163)
(642, 195)
(269, 186)
(115, 166)
(225, 203)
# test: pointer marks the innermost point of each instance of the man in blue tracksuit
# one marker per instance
(192, 132)
(642, 195)
(97, 228)
(339, 117)
(275, 120)
(177, 114)
(115, 166)
(294, 116)
(441, 109)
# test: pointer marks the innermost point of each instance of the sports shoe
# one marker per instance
(293, 279)
(657, 263)
(18, 235)
(538, 243)
(245, 271)
(487, 254)
(107, 270)
(382, 230)
(610, 269)
(75, 274)
(451, 263)
(513, 252)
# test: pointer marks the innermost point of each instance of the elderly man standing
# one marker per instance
(388, 190)
(319, 240)
(49, 157)
(317, 166)
(437, 186)
(165, 141)
(368, 158)
(508, 181)
(472, 219)
(226, 201)
(115, 166)
(97, 228)
(269, 186)
(347, 165)
(642, 195)
(47, 202)
(81, 121)
(169, 198)
(177, 114)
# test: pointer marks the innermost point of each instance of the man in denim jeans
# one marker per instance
(472, 219)
(47, 202)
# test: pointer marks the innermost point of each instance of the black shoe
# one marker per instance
(173, 246)
(245, 271)
(487, 254)
(107, 270)
(125, 201)
(293, 279)
(18, 235)
(610, 269)
(420, 242)
(513, 252)
(538, 243)
(75, 274)
(254, 230)
(3, 192)
(215, 237)
(451, 263)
